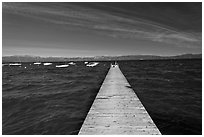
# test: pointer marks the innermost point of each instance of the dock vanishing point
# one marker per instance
(117, 110)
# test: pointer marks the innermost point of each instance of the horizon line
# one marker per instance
(102, 55)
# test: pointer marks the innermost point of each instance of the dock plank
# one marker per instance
(117, 110)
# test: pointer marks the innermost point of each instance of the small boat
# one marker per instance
(86, 62)
(92, 64)
(47, 64)
(37, 63)
(72, 63)
(14, 64)
(61, 66)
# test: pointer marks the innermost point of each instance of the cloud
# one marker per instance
(103, 22)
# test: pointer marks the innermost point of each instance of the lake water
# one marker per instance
(48, 100)
(171, 91)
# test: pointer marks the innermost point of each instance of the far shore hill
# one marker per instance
(28, 58)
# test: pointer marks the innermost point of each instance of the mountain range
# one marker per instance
(28, 58)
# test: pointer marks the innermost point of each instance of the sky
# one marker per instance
(101, 29)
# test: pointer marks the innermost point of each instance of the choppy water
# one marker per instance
(49, 100)
(171, 91)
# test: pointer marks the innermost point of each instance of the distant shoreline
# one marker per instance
(98, 58)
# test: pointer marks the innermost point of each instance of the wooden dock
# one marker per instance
(117, 110)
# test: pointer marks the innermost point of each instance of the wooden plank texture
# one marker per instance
(117, 110)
